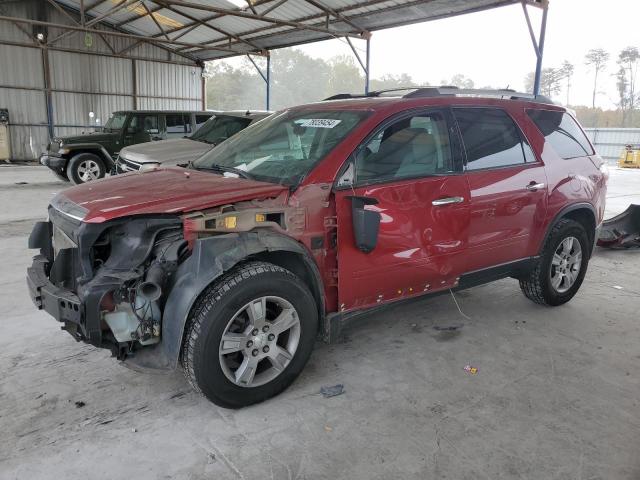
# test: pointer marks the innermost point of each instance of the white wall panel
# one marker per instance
(72, 109)
(90, 73)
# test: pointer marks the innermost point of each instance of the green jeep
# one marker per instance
(85, 157)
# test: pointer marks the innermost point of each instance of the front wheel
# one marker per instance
(61, 174)
(249, 335)
(85, 167)
(562, 266)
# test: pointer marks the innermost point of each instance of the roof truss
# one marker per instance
(261, 25)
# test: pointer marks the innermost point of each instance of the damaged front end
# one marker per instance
(106, 282)
(621, 231)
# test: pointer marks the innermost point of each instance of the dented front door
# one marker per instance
(424, 218)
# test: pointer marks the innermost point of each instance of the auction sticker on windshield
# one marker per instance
(318, 122)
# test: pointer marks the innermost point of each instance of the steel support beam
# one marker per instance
(112, 34)
(266, 76)
(335, 14)
(368, 71)
(134, 84)
(262, 18)
(46, 75)
(99, 54)
(268, 80)
(538, 44)
(367, 60)
(200, 22)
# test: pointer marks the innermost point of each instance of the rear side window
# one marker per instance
(491, 138)
(177, 125)
(562, 132)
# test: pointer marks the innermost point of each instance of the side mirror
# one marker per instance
(132, 130)
(366, 223)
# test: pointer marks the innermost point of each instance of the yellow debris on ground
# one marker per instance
(630, 157)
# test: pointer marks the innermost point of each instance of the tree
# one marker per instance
(230, 88)
(296, 78)
(550, 79)
(628, 62)
(389, 81)
(460, 81)
(596, 58)
(344, 75)
(567, 71)
(622, 86)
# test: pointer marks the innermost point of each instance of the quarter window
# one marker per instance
(491, 139)
(562, 132)
(412, 147)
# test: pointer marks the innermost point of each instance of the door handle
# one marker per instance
(533, 186)
(446, 201)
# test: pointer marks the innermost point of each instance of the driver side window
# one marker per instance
(416, 146)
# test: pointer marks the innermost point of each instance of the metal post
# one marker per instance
(134, 84)
(268, 80)
(204, 89)
(543, 30)
(368, 67)
(47, 90)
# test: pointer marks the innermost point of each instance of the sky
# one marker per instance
(494, 48)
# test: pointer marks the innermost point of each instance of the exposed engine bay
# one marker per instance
(109, 282)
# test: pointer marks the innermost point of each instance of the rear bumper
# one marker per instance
(53, 162)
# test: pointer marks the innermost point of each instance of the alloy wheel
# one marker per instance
(88, 170)
(566, 264)
(259, 341)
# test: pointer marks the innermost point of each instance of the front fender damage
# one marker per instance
(210, 258)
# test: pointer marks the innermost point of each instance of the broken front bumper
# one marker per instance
(61, 304)
(621, 231)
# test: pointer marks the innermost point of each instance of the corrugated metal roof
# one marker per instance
(265, 24)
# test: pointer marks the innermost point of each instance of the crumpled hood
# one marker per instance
(158, 191)
(168, 152)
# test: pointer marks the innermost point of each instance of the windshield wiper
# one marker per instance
(222, 169)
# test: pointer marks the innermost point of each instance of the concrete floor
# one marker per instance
(556, 396)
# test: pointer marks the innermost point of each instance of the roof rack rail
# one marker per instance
(484, 92)
(450, 91)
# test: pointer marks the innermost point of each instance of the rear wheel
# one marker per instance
(562, 266)
(85, 167)
(249, 335)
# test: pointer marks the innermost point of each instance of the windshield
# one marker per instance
(284, 147)
(220, 127)
(116, 121)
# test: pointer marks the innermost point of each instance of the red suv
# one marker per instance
(235, 265)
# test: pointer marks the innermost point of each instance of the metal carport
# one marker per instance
(188, 33)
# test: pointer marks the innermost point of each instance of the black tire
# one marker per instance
(216, 307)
(79, 162)
(537, 285)
(61, 175)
